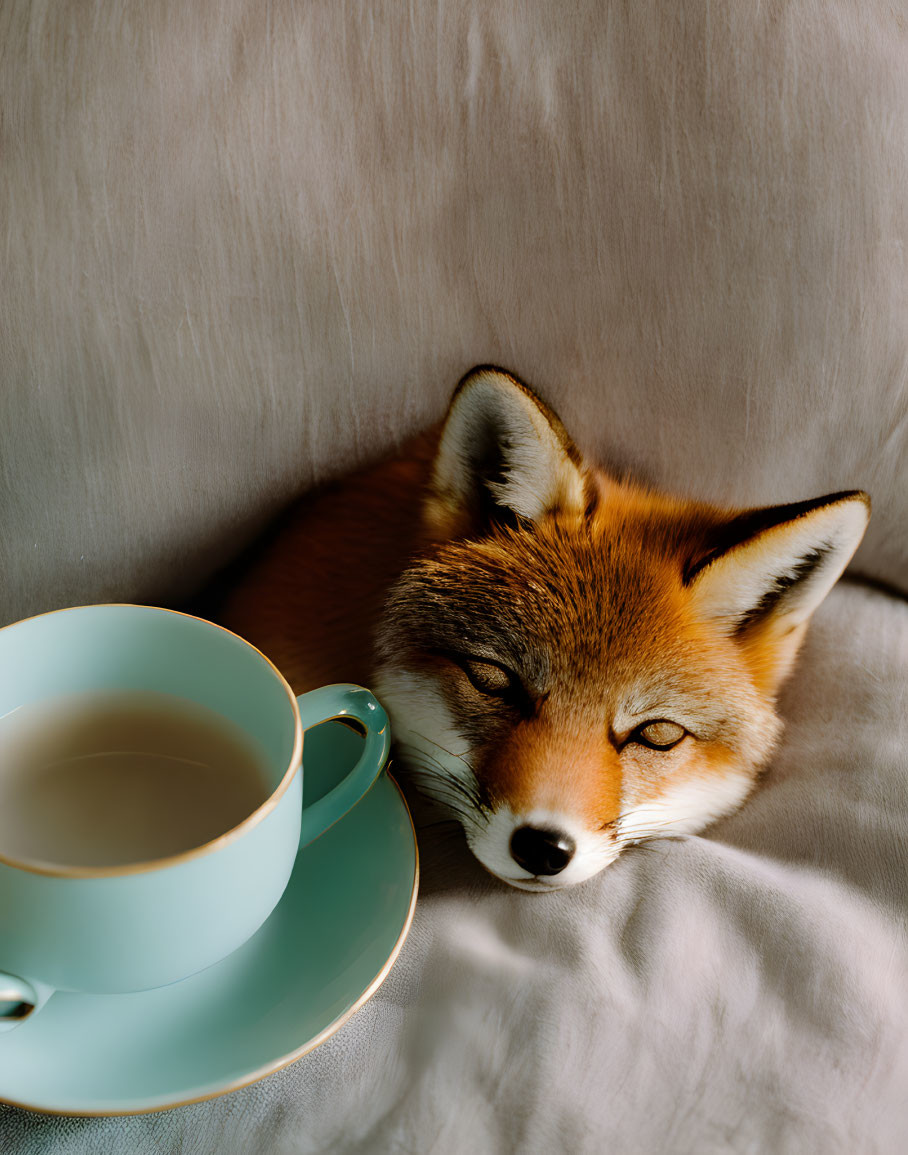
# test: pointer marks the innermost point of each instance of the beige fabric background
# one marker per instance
(246, 246)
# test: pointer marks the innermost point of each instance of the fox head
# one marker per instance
(573, 664)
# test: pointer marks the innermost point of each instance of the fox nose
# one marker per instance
(541, 851)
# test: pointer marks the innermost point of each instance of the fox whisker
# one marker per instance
(460, 757)
(429, 777)
(640, 846)
(436, 775)
(437, 781)
(645, 830)
(409, 750)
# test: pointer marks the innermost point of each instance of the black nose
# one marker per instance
(541, 851)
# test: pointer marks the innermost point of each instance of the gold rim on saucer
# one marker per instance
(285, 1060)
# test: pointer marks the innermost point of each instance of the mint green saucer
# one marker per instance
(323, 952)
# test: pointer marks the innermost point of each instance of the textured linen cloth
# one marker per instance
(743, 990)
(248, 246)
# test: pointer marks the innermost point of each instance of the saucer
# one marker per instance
(323, 952)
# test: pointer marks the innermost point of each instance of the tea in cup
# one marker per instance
(150, 797)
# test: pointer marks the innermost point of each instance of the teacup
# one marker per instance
(76, 925)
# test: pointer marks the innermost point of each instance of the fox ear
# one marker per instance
(503, 456)
(771, 568)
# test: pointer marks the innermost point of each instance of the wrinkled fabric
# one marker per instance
(742, 990)
(247, 246)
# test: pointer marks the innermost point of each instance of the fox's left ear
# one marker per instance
(503, 457)
(769, 569)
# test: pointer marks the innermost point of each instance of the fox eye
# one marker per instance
(488, 677)
(492, 679)
(658, 735)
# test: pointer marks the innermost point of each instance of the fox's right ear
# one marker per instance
(504, 457)
(769, 569)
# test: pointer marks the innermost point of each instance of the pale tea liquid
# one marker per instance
(114, 778)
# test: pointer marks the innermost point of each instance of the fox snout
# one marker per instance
(533, 855)
(551, 785)
(542, 855)
(541, 851)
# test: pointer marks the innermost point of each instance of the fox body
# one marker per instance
(571, 663)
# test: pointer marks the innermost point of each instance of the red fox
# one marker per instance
(571, 663)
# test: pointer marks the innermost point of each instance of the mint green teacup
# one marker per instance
(143, 924)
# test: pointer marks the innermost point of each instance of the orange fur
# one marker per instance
(309, 593)
(488, 546)
(553, 765)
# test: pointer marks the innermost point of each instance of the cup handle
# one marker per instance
(330, 703)
(20, 999)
